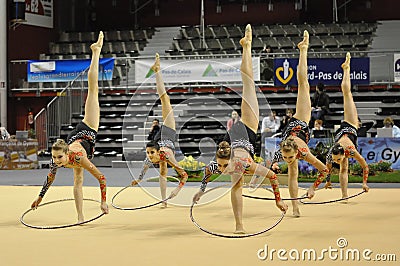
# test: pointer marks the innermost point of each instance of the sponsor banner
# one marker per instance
(372, 149)
(18, 154)
(179, 71)
(396, 67)
(39, 13)
(325, 70)
(380, 149)
(66, 70)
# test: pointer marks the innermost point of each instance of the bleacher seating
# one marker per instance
(224, 39)
(126, 118)
(327, 39)
(117, 42)
(279, 37)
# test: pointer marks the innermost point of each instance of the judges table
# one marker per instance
(18, 154)
(372, 149)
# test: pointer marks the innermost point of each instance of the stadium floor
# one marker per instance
(156, 236)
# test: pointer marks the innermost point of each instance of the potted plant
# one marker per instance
(193, 168)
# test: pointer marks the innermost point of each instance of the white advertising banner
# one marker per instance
(396, 67)
(39, 13)
(206, 70)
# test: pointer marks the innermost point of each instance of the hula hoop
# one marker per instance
(230, 236)
(58, 226)
(270, 190)
(140, 207)
(332, 201)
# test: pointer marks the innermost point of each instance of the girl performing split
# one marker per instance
(161, 150)
(79, 148)
(297, 133)
(346, 138)
(236, 159)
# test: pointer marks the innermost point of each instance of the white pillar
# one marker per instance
(335, 11)
(3, 63)
(202, 25)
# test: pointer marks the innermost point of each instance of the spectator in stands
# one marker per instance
(270, 125)
(233, 120)
(79, 148)
(6, 163)
(297, 134)
(236, 158)
(319, 103)
(345, 146)
(317, 126)
(362, 130)
(161, 150)
(267, 49)
(30, 119)
(155, 127)
(267, 62)
(4, 135)
(389, 123)
(285, 119)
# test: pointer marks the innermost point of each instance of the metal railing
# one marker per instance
(41, 129)
(60, 110)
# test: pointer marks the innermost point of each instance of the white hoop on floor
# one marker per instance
(230, 236)
(332, 201)
(140, 207)
(58, 226)
(270, 190)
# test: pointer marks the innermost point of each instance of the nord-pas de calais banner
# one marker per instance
(66, 70)
(39, 13)
(325, 70)
(396, 67)
(178, 71)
